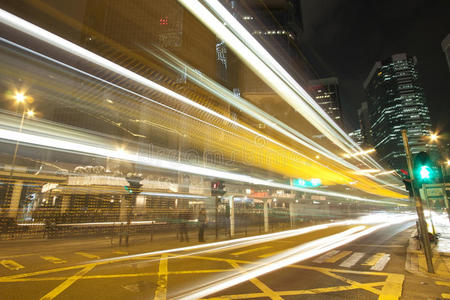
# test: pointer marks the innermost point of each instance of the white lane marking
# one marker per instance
(381, 263)
(352, 260)
(326, 256)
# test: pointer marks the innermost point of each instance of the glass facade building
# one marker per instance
(396, 101)
(326, 93)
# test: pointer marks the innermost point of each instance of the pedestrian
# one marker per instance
(201, 224)
(184, 219)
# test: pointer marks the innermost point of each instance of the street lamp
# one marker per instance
(434, 137)
(20, 97)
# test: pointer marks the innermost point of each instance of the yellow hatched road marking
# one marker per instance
(373, 259)
(442, 283)
(88, 255)
(107, 276)
(11, 264)
(161, 290)
(352, 282)
(68, 282)
(251, 250)
(338, 256)
(300, 292)
(53, 259)
(264, 288)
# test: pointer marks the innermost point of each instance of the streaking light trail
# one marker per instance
(286, 258)
(49, 142)
(65, 45)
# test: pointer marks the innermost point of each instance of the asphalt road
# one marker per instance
(370, 267)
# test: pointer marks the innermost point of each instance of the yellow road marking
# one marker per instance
(338, 256)
(88, 255)
(120, 252)
(161, 290)
(300, 292)
(373, 259)
(18, 255)
(251, 250)
(12, 265)
(352, 282)
(442, 283)
(445, 296)
(291, 266)
(67, 283)
(269, 254)
(260, 285)
(392, 289)
(53, 259)
(107, 276)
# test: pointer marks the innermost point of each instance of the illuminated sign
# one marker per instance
(313, 182)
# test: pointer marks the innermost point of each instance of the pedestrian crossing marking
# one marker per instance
(251, 250)
(326, 256)
(373, 259)
(338, 256)
(352, 260)
(53, 259)
(381, 263)
(11, 264)
(88, 255)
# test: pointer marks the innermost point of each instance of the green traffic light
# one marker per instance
(424, 172)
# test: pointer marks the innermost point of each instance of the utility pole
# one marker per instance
(444, 189)
(419, 207)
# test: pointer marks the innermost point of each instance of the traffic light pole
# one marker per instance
(444, 190)
(419, 207)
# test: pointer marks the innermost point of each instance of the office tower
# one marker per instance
(364, 123)
(446, 48)
(326, 93)
(396, 101)
(357, 136)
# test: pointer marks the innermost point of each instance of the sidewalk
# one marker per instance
(415, 258)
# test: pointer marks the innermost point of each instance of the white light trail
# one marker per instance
(287, 258)
(39, 33)
(283, 89)
(65, 145)
(258, 52)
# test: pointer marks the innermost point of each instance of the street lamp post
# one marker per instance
(20, 98)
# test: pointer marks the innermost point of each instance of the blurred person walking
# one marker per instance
(201, 224)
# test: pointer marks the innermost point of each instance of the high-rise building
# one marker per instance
(326, 93)
(446, 48)
(364, 123)
(396, 101)
(357, 136)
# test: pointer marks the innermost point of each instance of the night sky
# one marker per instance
(346, 37)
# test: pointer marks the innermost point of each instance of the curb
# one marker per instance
(412, 260)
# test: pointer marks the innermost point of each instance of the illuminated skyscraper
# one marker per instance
(326, 93)
(396, 101)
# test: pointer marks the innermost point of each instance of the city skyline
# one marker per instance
(345, 38)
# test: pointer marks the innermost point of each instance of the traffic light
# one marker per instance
(407, 181)
(217, 188)
(424, 171)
